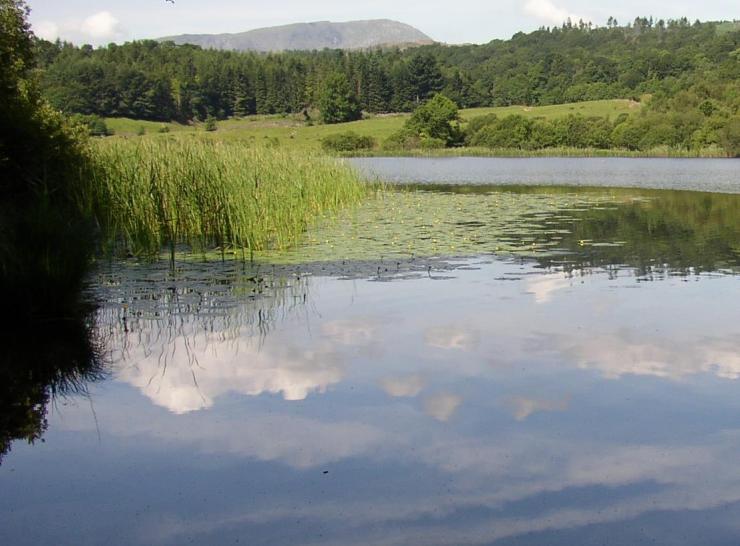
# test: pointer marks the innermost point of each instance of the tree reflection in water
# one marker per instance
(39, 362)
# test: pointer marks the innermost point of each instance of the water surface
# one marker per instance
(566, 374)
(719, 175)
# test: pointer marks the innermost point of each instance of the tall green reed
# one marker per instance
(150, 193)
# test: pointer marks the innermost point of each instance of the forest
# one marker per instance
(156, 81)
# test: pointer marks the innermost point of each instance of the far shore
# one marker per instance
(710, 153)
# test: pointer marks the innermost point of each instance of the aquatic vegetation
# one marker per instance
(148, 193)
(407, 223)
(563, 227)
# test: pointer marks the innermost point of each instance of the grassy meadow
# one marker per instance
(293, 132)
(150, 193)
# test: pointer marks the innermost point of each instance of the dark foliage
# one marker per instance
(338, 103)
(44, 360)
(347, 142)
(45, 244)
(434, 124)
(681, 123)
(45, 238)
(161, 81)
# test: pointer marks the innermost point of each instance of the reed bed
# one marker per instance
(151, 193)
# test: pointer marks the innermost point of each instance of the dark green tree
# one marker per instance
(376, 89)
(730, 137)
(46, 238)
(244, 100)
(436, 123)
(425, 77)
(338, 102)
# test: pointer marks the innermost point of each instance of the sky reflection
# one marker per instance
(493, 419)
(509, 403)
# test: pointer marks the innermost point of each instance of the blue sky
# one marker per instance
(102, 21)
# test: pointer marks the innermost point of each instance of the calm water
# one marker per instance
(458, 365)
(722, 175)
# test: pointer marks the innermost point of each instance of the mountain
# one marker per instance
(310, 36)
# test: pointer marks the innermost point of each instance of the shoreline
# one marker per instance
(546, 152)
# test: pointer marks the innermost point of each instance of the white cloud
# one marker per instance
(102, 25)
(99, 28)
(549, 12)
(48, 30)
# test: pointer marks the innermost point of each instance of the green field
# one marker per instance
(599, 108)
(292, 130)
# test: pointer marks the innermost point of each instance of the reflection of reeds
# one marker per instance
(155, 192)
(215, 305)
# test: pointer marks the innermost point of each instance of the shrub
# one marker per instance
(582, 132)
(210, 124)
(437, 119)
(730, 137)
(400, 140)
(347, 142)
(434, 124)
(431, 143)
(509, 132)
(478, 122)
(707, 108)
(405, 140)
(95, 125)
(545, 134)
(627, 135)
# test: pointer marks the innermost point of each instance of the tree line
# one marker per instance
(163, 82)
(689, 122)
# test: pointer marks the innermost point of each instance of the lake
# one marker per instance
(535, 361)
(717, 175)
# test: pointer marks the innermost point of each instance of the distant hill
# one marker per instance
(310, 36)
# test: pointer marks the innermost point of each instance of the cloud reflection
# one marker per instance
(545, 286)
(351, 332)
(188, 372)
(403, 387)
(522, 407)
(442, 406)
(452, 337)
(634, 353)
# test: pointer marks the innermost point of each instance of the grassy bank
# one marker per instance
(148, 193)
(292, 131)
